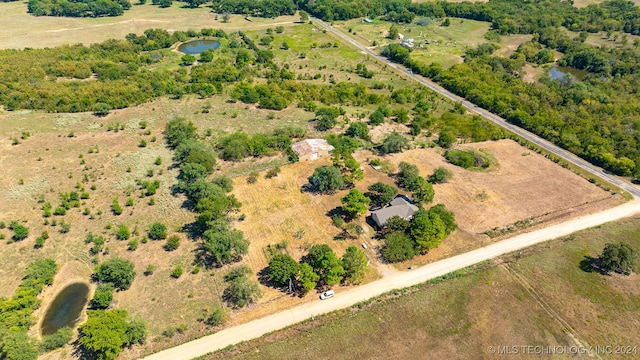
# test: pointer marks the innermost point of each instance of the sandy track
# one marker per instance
(393, 281)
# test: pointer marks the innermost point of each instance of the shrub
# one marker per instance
(252, 178)
(177, 272)
(272, 173)
(150, 270)
(158, 231)
(116, 207)
(123, 232)
(218, 317)
(173, 242)
(56, 340)
(129, 202)
(103, 296)
(133, 245)
(20, 232)
(117, 271)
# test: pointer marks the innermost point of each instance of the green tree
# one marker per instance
(282, 268)
(106, 332)
(188, 59)
(307, 278)
(397, 247)
(393, 32)
(381, 194)
(222, 247)
(440, 175)
(117, 271)
(355, 263)
(326, 264)
(327, 179)
(446, 138)
(17, 345)
(242, 291)
(446, 216)
(158, 231)
(619, 257)
(394, 143)
(304, 17)
(101, 109)
(103, 296)
(358, 129)
(355, 203)
(206, 56)
(179, 130)
(423, 193)
(427, 231)
(56, 340)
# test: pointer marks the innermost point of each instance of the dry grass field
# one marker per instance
(20, 29)
(543, 299)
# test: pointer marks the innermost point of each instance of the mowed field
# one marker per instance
(20, 29)
(543, 299)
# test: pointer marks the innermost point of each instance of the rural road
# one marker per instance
(399, 280)
(566, 155)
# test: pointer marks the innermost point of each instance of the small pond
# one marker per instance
(559, 73)
(66, 308)
(198, 46)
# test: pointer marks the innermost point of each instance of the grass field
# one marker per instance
(447, 43)
(543, 299)
(20, 29)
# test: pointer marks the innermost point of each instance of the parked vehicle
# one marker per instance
(327, 294)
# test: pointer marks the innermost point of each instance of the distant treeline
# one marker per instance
(78, 8)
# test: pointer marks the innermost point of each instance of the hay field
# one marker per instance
(20, 29)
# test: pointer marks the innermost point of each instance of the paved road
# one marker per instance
(399, 280)
(566, 155)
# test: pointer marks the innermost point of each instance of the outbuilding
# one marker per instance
(312, 149)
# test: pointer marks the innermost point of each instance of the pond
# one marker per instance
(198, 46)
(66, 308)
(559, 73)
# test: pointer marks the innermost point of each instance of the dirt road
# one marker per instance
(398, 280)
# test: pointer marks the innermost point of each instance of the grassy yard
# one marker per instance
(523, 302)
(446, 45)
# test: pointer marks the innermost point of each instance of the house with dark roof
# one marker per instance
(401, 206)
(311, 149)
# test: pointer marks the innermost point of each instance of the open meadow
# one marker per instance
(542, 299)
(446, 44)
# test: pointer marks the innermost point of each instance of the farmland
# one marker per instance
(530, 301)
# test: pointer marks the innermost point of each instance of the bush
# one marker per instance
(440, 175)
(116, 207)
(103, 296)
(133, 245)
(101, 109)
(117, 271)
(56, 340)
(20, 232)
(149, 271)
(466, 159)
(218, 317)
(158, 231)
(272, 173)
(173, 242)
(123, 232)
(177, 272)
(252, 178)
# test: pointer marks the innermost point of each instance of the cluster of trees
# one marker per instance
(425, 231)
(241, 291)
(409, 178)
(261, 8)
(220, 244)
(15, 313)
(78, 8)
(320, 267)
(619, 257)
(106, 332)
(593, 118)
(239, 145)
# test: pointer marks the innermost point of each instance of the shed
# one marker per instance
(311, 149)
